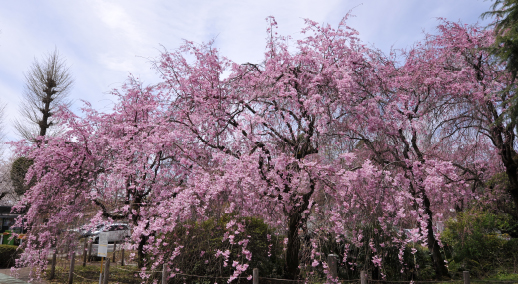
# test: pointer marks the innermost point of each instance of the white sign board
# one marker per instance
(102, 250)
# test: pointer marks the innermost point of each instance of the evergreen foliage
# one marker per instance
(8, 255)
(19, 169)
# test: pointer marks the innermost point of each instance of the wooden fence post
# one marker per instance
(85, 252)
(332, 265)
(71, 272)
(465, 275)
(90, 252)
(106, 271)
(164, 274)
(53, 267)
(122, 256)
(114, 248)
(363, 277)
(255, 275)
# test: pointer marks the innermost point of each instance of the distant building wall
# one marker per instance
(6, 218)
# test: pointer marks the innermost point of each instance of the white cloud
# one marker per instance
(105, 40)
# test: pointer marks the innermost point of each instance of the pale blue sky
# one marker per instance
(104, 41)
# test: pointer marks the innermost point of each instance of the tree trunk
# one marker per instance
(49, 91)
(503, 139)
(433, 244)
(292, 251)
(140, 251)
(295, 221)
(375, 273)
(135, 208)
(512, 175)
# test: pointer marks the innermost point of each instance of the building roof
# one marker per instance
(5, 211)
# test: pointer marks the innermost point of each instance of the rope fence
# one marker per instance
(420, 281)
(164, 277)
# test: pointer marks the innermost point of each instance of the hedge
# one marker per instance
(8, 255)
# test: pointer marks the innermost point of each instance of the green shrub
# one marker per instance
(417, 266)
(201, 240)
(8, 255)
(474, 242)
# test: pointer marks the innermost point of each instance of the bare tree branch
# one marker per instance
(47, 86)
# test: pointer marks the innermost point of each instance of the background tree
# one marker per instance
(2, 133)
(506, 30)
(123, 183)
(47, 86)
(483, 111)
(19, 169)
(7, 194)
(505, 46)
(5, 181)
